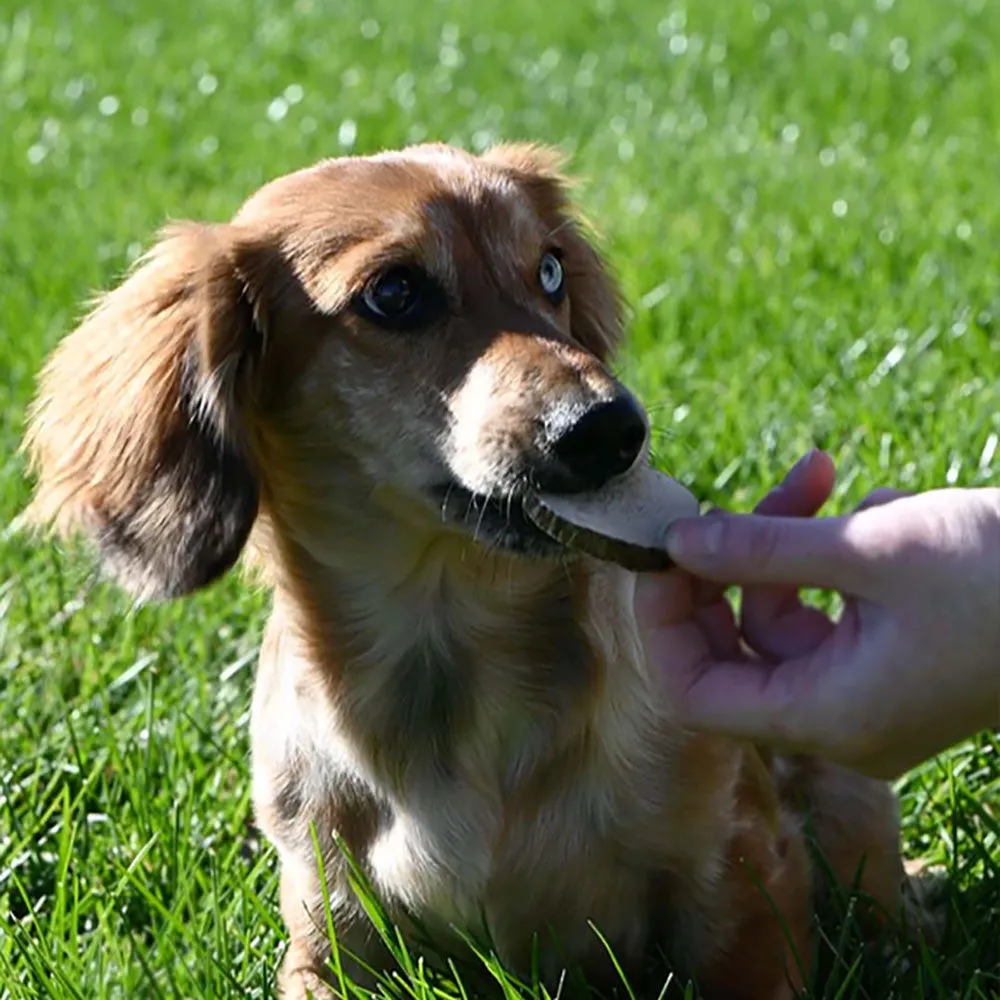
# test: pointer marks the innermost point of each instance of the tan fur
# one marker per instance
(125, 356)
(476, 723)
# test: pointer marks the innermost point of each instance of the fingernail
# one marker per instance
(701, 538)
(802, 463)
(675, 543)
(711, 538)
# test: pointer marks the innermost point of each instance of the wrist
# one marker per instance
(990, 551)
(990, 497)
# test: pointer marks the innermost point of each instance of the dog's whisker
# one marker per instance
(470, 507)
(444, 502)
(482, 514)
(565, 564)
(658, 405)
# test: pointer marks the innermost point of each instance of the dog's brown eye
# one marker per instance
(391, 294)
(400, 297)
(551, 278)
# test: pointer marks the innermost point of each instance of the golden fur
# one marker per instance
(471, 715)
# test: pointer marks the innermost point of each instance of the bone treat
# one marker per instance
(624, 522)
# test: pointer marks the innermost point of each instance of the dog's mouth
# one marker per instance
(495, 521)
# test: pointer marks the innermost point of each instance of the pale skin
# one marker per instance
(909, 668)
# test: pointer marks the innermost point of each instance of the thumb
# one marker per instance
(749, 549)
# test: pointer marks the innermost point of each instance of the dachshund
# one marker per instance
(349, 388)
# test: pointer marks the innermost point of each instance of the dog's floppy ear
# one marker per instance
(594, 298)
(135, 435)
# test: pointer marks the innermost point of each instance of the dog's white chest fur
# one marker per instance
(477, 762)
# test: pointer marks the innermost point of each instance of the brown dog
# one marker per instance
(355, 381)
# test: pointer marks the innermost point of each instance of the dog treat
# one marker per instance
(624, 522)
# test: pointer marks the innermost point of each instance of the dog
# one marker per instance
(350, 386)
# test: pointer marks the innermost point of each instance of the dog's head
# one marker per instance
(424, 331)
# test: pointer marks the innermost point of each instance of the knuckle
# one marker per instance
(882, 496)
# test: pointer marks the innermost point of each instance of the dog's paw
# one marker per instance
(308, 988)
(925, 902)
(304, 984)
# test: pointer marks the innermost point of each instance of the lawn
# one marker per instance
(802, 201)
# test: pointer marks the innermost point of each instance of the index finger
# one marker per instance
(775, 621)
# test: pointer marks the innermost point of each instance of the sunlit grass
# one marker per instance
(800, 199)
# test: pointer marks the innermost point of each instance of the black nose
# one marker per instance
(602, 444)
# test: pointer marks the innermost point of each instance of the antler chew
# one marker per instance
(624, 522)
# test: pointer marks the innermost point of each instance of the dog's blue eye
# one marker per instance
(551, 277)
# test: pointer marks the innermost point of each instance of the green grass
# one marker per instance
(802, 200)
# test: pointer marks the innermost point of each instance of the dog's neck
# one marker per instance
(421, 636)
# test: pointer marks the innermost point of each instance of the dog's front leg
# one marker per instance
(749, 922)
(309, 968)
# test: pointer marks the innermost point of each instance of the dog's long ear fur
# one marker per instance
(594, 298)
(135, 435)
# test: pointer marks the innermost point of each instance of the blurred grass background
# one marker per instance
(800, 199)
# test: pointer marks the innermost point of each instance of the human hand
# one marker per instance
(911, 666)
